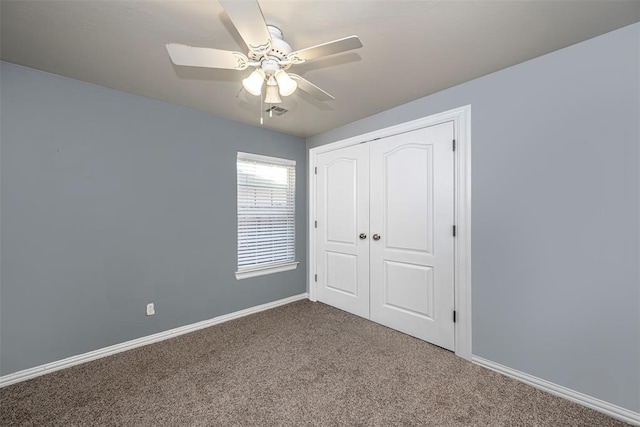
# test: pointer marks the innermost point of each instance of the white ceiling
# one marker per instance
(411, 48)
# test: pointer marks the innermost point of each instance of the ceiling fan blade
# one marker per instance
(310, 88)
(324, 49)
(190, 56)
(248, 19)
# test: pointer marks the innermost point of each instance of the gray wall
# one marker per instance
(555, 212)
(110, 201)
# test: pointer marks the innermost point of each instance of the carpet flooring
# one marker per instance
(302, 364)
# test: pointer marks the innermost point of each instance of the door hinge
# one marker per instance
(316, 224)
(315, 277)
(454, 145)
(316, 170)
(454, 231)
(454, 316)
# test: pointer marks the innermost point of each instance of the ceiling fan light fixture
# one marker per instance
(272, 96)
(286, 84)
(253, 83)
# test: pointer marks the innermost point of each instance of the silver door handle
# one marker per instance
(363, 236)
(376, 237)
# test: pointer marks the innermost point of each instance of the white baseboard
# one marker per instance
(567, 393)
(139, 342)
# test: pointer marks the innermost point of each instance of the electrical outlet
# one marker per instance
(151, 310)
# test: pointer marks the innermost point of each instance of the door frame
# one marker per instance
(461, 118)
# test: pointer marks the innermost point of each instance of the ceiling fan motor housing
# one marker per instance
(279, 48)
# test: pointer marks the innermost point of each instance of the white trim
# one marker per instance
(311, 231)
(445, 116)
(462, 129)
(564, 392)
(461, 118)
(139, 342)
(261, 271)
(267, 159)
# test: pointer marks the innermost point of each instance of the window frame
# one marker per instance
(260, 270)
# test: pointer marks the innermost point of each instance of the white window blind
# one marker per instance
(266, 211)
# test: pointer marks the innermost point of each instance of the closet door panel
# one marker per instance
(342, 212)
(411, 211)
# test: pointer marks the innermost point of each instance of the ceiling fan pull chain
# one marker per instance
(261, 109)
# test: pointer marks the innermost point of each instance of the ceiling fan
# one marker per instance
(268, 53)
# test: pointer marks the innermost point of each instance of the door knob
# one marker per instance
(363, 236)
(376, 237)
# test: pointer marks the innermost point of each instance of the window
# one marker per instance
(266, 215)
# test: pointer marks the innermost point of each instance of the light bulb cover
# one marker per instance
(286, 84)
(272, 96)
(253, 83)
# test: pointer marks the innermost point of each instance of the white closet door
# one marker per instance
(342, 212)
(412, 193)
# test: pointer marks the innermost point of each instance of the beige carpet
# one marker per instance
(301, 364)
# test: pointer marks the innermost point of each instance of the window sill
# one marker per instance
(246, 274)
